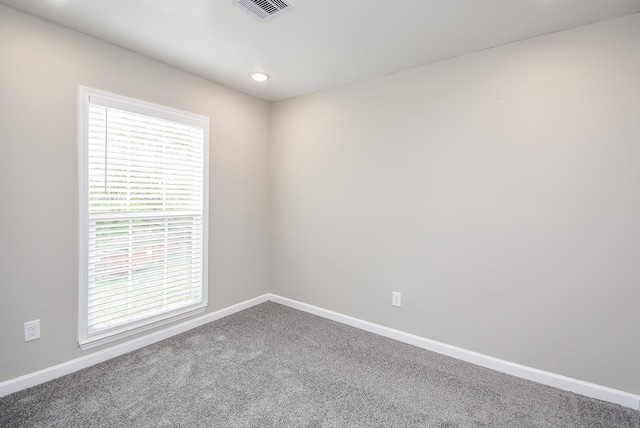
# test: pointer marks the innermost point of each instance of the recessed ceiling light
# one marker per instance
(259, 76)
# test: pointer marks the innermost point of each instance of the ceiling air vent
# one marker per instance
(264, 10)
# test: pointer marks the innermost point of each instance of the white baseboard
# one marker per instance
(546, 378)
(13, 385)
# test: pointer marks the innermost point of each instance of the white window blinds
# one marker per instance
(145, 216)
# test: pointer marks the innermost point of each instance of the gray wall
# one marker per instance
(499, 192)
(41, 66)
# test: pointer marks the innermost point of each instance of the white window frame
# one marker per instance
(86, 340)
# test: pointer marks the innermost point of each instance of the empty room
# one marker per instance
(320, 213)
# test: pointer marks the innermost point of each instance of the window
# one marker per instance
(143, 216)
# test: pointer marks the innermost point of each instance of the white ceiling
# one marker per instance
(319, 44)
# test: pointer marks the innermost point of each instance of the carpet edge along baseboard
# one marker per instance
(546, 378)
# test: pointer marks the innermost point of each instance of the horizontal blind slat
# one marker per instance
(121, 267)
(140, 282)
(97, 300)
(121, 314)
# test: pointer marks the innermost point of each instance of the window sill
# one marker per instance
(112, 336)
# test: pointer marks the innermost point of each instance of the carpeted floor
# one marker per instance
(273, 366)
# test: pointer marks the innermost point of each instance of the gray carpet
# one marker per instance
(273, 366)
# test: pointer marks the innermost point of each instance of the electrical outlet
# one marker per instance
(396, 299)
(31, 330)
